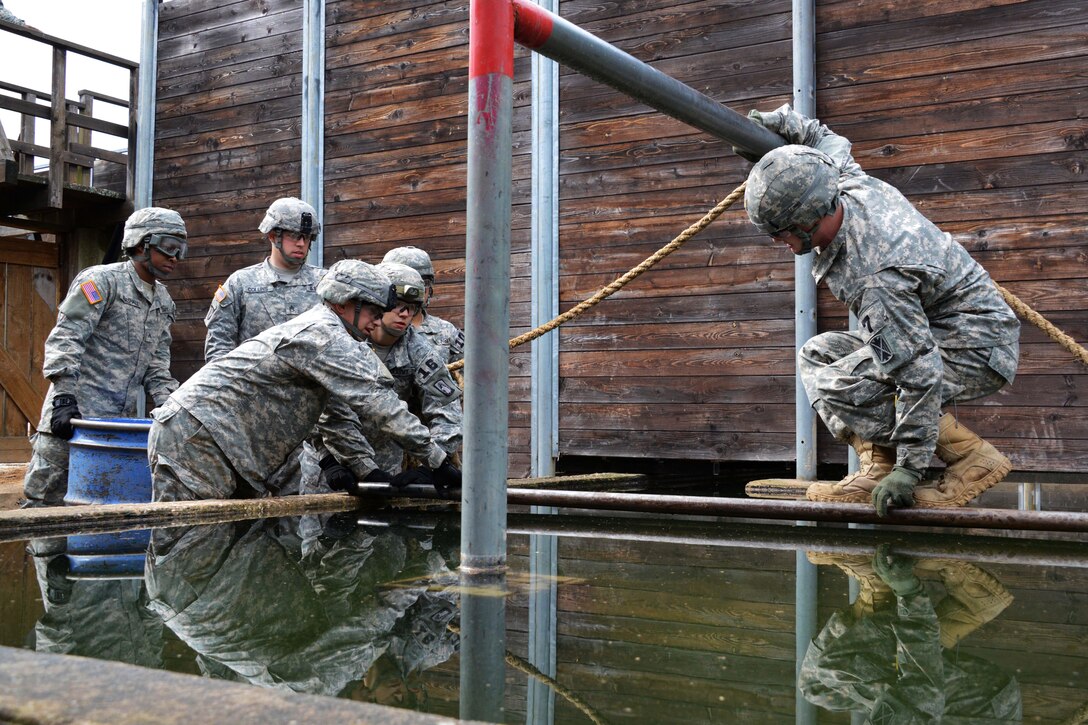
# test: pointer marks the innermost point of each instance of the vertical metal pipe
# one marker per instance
(544, 395)
(487, 285)
(483, 645)
(806, 591)
(145, 127)
(313, 117)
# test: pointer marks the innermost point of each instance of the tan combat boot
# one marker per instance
(975, 597)
(874, 463)
(873, 593)
(973, 466)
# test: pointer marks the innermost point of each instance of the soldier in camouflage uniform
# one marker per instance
(443, 334)
(420, 379)
(233, 423)
(283, 286)
(111, 341)
(893, 663)
(933, 328)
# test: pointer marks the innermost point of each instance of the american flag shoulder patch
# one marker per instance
(221, 294)
(90, 291)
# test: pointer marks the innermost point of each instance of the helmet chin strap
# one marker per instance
(145, 259)
(292, 263)
(353, 326)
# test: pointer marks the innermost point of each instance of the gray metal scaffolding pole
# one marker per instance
(487, 285)
(145, 108)
(313, 118)
(562, 41)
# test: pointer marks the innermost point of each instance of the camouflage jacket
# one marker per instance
(110, 339)
(252, 300)
(445, 336)
(260, 400)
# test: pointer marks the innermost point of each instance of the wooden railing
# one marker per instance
(70, 153)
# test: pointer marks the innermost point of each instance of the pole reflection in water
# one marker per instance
(483, 645)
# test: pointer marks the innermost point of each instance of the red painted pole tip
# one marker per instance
(490, 38)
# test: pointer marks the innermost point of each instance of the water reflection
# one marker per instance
(105, 618)
(892, 655)
(304, 604)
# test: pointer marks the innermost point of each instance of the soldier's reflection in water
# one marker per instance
(892, 655)
(105, 618)
(302, 606)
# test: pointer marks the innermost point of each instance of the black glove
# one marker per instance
(896, 489)
(447, 479)
(378, 476)
(414, 476)
(336, 476)
(64, 410)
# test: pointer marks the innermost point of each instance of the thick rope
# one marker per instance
(633, 274)
(1021, 308)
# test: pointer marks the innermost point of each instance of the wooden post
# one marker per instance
(133, 111)
(26, 135)
(58, 132)
(78, 173)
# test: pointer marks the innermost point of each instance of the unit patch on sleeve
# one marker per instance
(90, 291)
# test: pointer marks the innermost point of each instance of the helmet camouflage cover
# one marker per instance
(352, 279)
(791, 186)
(151, 220)
(414, 257)
(407, 282)
(291, 215)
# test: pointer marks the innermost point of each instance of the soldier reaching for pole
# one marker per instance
(112, 336)
(932, 327)
(420, 379)
(232, 424)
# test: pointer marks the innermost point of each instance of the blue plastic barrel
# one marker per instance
(107, 463)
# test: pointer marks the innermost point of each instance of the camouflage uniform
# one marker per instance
(112, 337)
(252, 300)
(890, 665)
(932, 326)
(444, 335)
(333, 614)
(237, 419)
(107, 619)
(422, 381)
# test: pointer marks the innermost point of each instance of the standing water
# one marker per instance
(623, 620)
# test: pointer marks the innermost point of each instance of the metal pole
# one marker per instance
(559, 39)
(487, 285)
(145, 127)
(313, 118)
(544, 392)
(544, 395)
(483, 645)
(806, 582)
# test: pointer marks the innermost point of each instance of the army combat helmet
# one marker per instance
(292, 215)
(409, 288)
(790, 189)
(413, 257)
(157, 228)
(352, 279)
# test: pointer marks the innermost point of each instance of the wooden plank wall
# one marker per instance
(973, 108)
(28, 300)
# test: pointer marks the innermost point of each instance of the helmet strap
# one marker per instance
(394, 332)
(278, 244)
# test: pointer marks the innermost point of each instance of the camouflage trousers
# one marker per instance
(46, 479)
(187, 464)
(847, 388)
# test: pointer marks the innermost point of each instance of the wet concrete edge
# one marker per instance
(45, 689)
